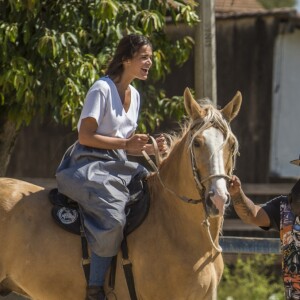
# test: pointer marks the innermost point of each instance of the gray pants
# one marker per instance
(98, 180)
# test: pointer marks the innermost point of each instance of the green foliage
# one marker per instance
(252, 279)
(53, 51)
(269, 4)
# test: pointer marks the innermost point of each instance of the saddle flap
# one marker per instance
(137, 211)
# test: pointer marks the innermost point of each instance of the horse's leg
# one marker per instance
(215, 270)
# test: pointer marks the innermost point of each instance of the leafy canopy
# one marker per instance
(53, 51)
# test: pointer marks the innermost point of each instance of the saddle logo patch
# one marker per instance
(67, 215)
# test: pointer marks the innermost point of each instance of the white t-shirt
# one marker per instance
(103, 103)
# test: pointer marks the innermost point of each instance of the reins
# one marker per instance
(155, 167)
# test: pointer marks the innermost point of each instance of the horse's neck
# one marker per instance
(176, 172)
(179, 222)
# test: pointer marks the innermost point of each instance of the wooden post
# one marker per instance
(205, 51)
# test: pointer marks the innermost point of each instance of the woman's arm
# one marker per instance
(89, 137)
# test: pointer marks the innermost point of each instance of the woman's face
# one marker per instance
(138, 66)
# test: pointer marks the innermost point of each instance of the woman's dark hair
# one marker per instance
(127, 47)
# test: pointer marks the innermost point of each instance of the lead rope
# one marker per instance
(206, 224)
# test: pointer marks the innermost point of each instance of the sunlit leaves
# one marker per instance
(11, 32)
(48, 46)
(187, 14)
(19, 78)
(150, 20)
(108, 8)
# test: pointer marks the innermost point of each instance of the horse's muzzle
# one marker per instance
(216, 207)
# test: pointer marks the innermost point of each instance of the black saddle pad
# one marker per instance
(66, 212)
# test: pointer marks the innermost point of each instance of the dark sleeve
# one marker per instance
(272, 208)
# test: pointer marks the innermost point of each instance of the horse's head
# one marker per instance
(212, 147)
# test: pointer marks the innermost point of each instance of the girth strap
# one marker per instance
(127, 267)
(112, 274)
(85, 255)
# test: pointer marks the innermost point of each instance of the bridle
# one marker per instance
(196, 175)
(198, 181)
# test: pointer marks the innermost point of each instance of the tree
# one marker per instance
(52, 51)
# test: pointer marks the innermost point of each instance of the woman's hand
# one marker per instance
(136, 143)
(162, 144)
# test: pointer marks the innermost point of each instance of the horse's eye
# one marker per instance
(196, 144)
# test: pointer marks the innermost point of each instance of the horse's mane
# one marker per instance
(213, 117)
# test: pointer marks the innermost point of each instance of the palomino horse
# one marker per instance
(175, 253)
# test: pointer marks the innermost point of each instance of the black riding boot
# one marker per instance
(95, 293)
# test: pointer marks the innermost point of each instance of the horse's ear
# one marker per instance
(191, 105)
(231, 110)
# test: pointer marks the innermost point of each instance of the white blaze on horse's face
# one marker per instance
(217, 191)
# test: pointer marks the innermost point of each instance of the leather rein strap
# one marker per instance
(155, 168)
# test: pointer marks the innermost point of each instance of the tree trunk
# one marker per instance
(8, 135)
